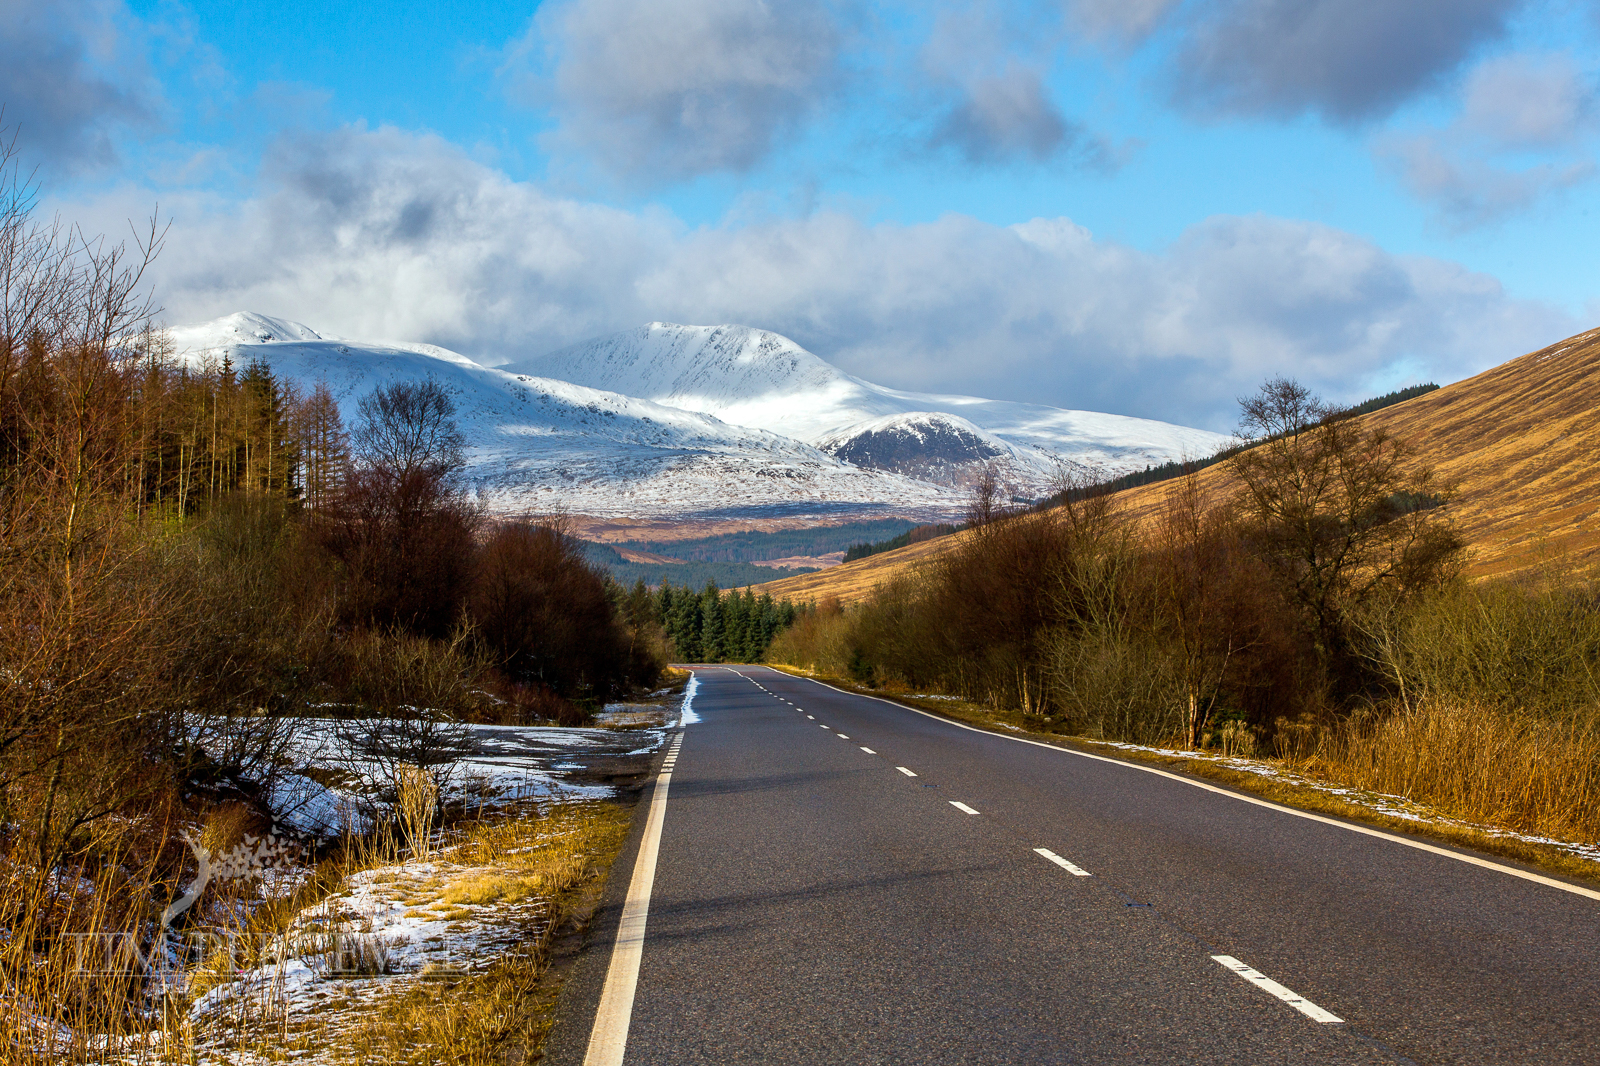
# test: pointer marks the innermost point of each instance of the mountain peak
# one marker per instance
(242, 327)
(755, 377)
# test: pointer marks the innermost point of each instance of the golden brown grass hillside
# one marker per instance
(1520, 442)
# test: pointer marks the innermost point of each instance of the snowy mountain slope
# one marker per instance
(944, 449)
(537, 444)
(753, 377)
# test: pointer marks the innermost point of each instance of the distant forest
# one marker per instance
(710, 626)
(755, 546)
(906, 539)
(693, 574)
(727, 560)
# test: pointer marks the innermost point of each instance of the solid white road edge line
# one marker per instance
(1471, 860)
(1268, 985)
(609, 1038)
(1075, 871)
(958, 805)
(903, 770)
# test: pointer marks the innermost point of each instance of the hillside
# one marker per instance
(754, 377)
(538, 445)
(1520, 441)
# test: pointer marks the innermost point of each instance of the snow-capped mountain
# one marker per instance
(538, 444)
(754, 377)
(944, 449)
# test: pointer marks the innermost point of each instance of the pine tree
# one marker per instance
(713, 631)
(324, 445)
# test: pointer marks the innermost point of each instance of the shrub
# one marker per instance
(544, 616)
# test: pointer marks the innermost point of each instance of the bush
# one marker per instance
(1506, 647)
(544, 615)
(406, 548)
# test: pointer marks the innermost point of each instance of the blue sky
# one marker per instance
(1143, 206)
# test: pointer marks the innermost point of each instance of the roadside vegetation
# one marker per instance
(196, 562)
(1317, 616)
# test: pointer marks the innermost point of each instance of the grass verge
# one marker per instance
(499, 1015)
(1301, 794)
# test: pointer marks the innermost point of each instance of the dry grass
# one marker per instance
(500, 1014)
(520, 878)
(852, 583)
(1516, 771)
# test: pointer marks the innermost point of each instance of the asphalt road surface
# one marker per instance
(841, 880)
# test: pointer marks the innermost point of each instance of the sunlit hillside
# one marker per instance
(1519, 442)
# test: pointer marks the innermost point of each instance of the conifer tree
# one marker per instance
(713, 633)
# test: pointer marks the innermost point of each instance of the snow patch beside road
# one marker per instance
(688, 717)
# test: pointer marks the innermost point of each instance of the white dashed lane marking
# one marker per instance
(1075, 871)
(869, 751)
(843, 737)
(1271, 987)
(903, 770)
(958, 805)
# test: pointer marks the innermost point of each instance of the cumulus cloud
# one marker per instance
(1347, 60)
(69, 79)
(1521, 135)
(385, 234)
(982, 76)
(653, 90)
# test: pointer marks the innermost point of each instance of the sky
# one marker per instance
(1147, 207)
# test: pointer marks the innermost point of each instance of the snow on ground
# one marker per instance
(385, 928)
(687, 716)
(480, 766)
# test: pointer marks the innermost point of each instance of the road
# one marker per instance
(839, 879)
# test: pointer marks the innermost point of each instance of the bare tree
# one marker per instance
(84, 647)
(1336, 511)
(408, 429)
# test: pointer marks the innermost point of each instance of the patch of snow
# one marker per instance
(687, 716)
(313, 809)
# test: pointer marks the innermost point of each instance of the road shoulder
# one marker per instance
(1285, 789)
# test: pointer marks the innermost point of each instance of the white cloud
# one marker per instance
(656, 91)
(1128, 21)
(1467, 190)
(982, 77)
(1522, 133)
(386, 234)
